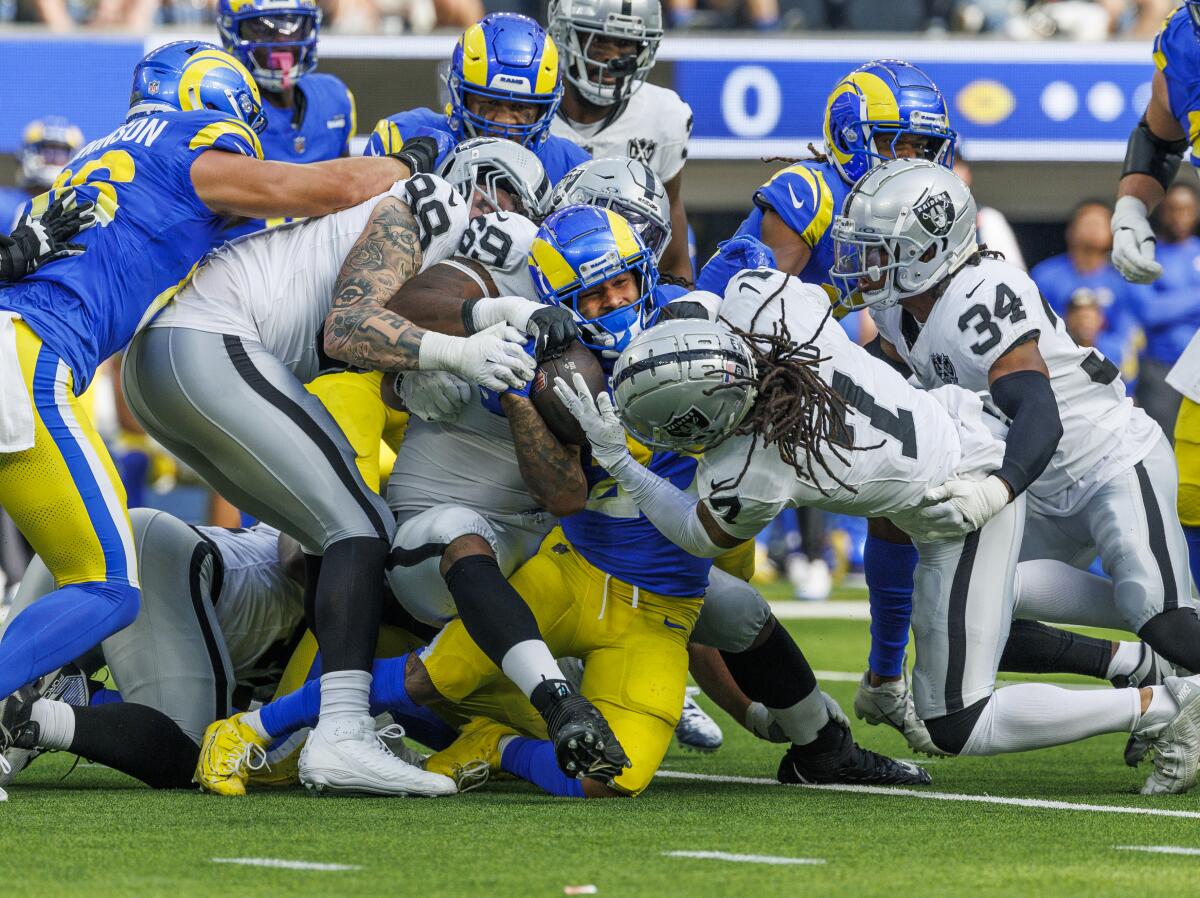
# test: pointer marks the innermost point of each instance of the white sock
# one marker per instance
(253, 719)
(1055, 592)
(1036, 715)
(345, 694)
(56, 722)
(528, 663)
(803, 720)
(1124, 660)
(1159, 713)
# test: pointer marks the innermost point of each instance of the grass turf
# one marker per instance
(97, 833)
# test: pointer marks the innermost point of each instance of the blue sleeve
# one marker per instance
(802, 198)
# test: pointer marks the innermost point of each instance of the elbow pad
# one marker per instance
(1028, 400)
(1149, 154)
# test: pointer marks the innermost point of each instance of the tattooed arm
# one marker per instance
(359, 329)
(551, 470)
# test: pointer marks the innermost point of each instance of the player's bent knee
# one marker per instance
(952, 732)
(465, 547)
(417, 682)
(1189, 501)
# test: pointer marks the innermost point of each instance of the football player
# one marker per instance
(310, 116)
(608, 50)
(163, 183)
(504, 81)
(255, 324)
(1155, 152)
(788, 412)
(46, 145)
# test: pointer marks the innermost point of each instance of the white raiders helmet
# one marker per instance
(628, 187)
(574, 24)
(663, 384)
(490, 163)
(905, 226)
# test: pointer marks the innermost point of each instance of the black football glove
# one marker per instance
(684, 308)
(553, 329)
(422, 153)
(35, 242)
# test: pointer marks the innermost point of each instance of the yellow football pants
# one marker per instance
(1187, 456)
(633, 644)
(372, 429)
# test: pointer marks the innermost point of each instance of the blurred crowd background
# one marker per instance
(1018, 19)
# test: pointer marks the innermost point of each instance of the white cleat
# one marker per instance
(349, 756)
(5, 770)
(696, 731)
(891, 703)
(1177, 746)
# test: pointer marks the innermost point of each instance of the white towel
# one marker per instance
(16, 405)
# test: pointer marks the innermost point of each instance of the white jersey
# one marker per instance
(987, 310)
(258, 605)
(275, 287)
(899, 441)
(471, 461)
(1184, 375)
(653, 127)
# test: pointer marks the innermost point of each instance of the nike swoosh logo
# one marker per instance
(973, 289)
(667, 623)
(799, 204)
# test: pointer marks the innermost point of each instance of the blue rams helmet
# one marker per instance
(46, 146)
(578, 248)
(504, 57)
(275, 39)
(886, 99)
(193, 75)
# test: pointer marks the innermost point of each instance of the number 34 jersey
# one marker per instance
(152, 229)
(896, 442)
(987, 310)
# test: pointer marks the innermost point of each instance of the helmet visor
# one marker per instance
(282, 28)
(864, 266)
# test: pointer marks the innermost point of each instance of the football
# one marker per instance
(576, 359)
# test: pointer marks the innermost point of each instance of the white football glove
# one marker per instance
(435, 396)
(1133, 242)
(493, 358)
(598, 419)
(977, 501)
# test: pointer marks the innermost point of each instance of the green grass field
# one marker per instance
(97, 833)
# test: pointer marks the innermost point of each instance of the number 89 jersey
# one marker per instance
(987, 310)
(152, 229)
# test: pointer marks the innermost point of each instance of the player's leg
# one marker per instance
(63, 493)
(243, 421)
(1187, 456)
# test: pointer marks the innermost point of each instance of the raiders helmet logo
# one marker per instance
(944, 368)
(642, 149)
(690, 422)
(936, 214)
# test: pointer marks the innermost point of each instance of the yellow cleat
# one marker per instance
(230, 752)
(471, 758)
(281, 774)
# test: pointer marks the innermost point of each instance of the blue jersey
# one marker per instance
(614, 536)
(319, 127)
(557, 154)
(807, 196)
(1177, 56)
(152, 232)
(1169, 311)
(12, 201)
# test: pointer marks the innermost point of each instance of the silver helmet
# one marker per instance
(904, 227)
(488, 164)
(576, 24)
(663, 384)
(628, 187)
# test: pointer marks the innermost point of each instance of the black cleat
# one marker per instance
(834, 757)
(18, 733)
(584, 744)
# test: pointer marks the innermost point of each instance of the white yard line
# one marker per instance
(836, 610)
(1158, 849)
(744, 858)
(894, 792)
(282, 864)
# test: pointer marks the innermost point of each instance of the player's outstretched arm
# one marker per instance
(551, 471)
(233, 184)
(791, 252)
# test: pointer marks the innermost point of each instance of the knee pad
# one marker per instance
(1189, 502)
(733, 615)
(415, 558)
(950, 733)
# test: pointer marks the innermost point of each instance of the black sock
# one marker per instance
(1034, 647)
(1175, 635)
(137, 740)
(495, 615)
(312, 576)
(776, 673)
(349, 603)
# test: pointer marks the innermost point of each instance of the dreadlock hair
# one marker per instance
(794, 409)
(816, 156)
